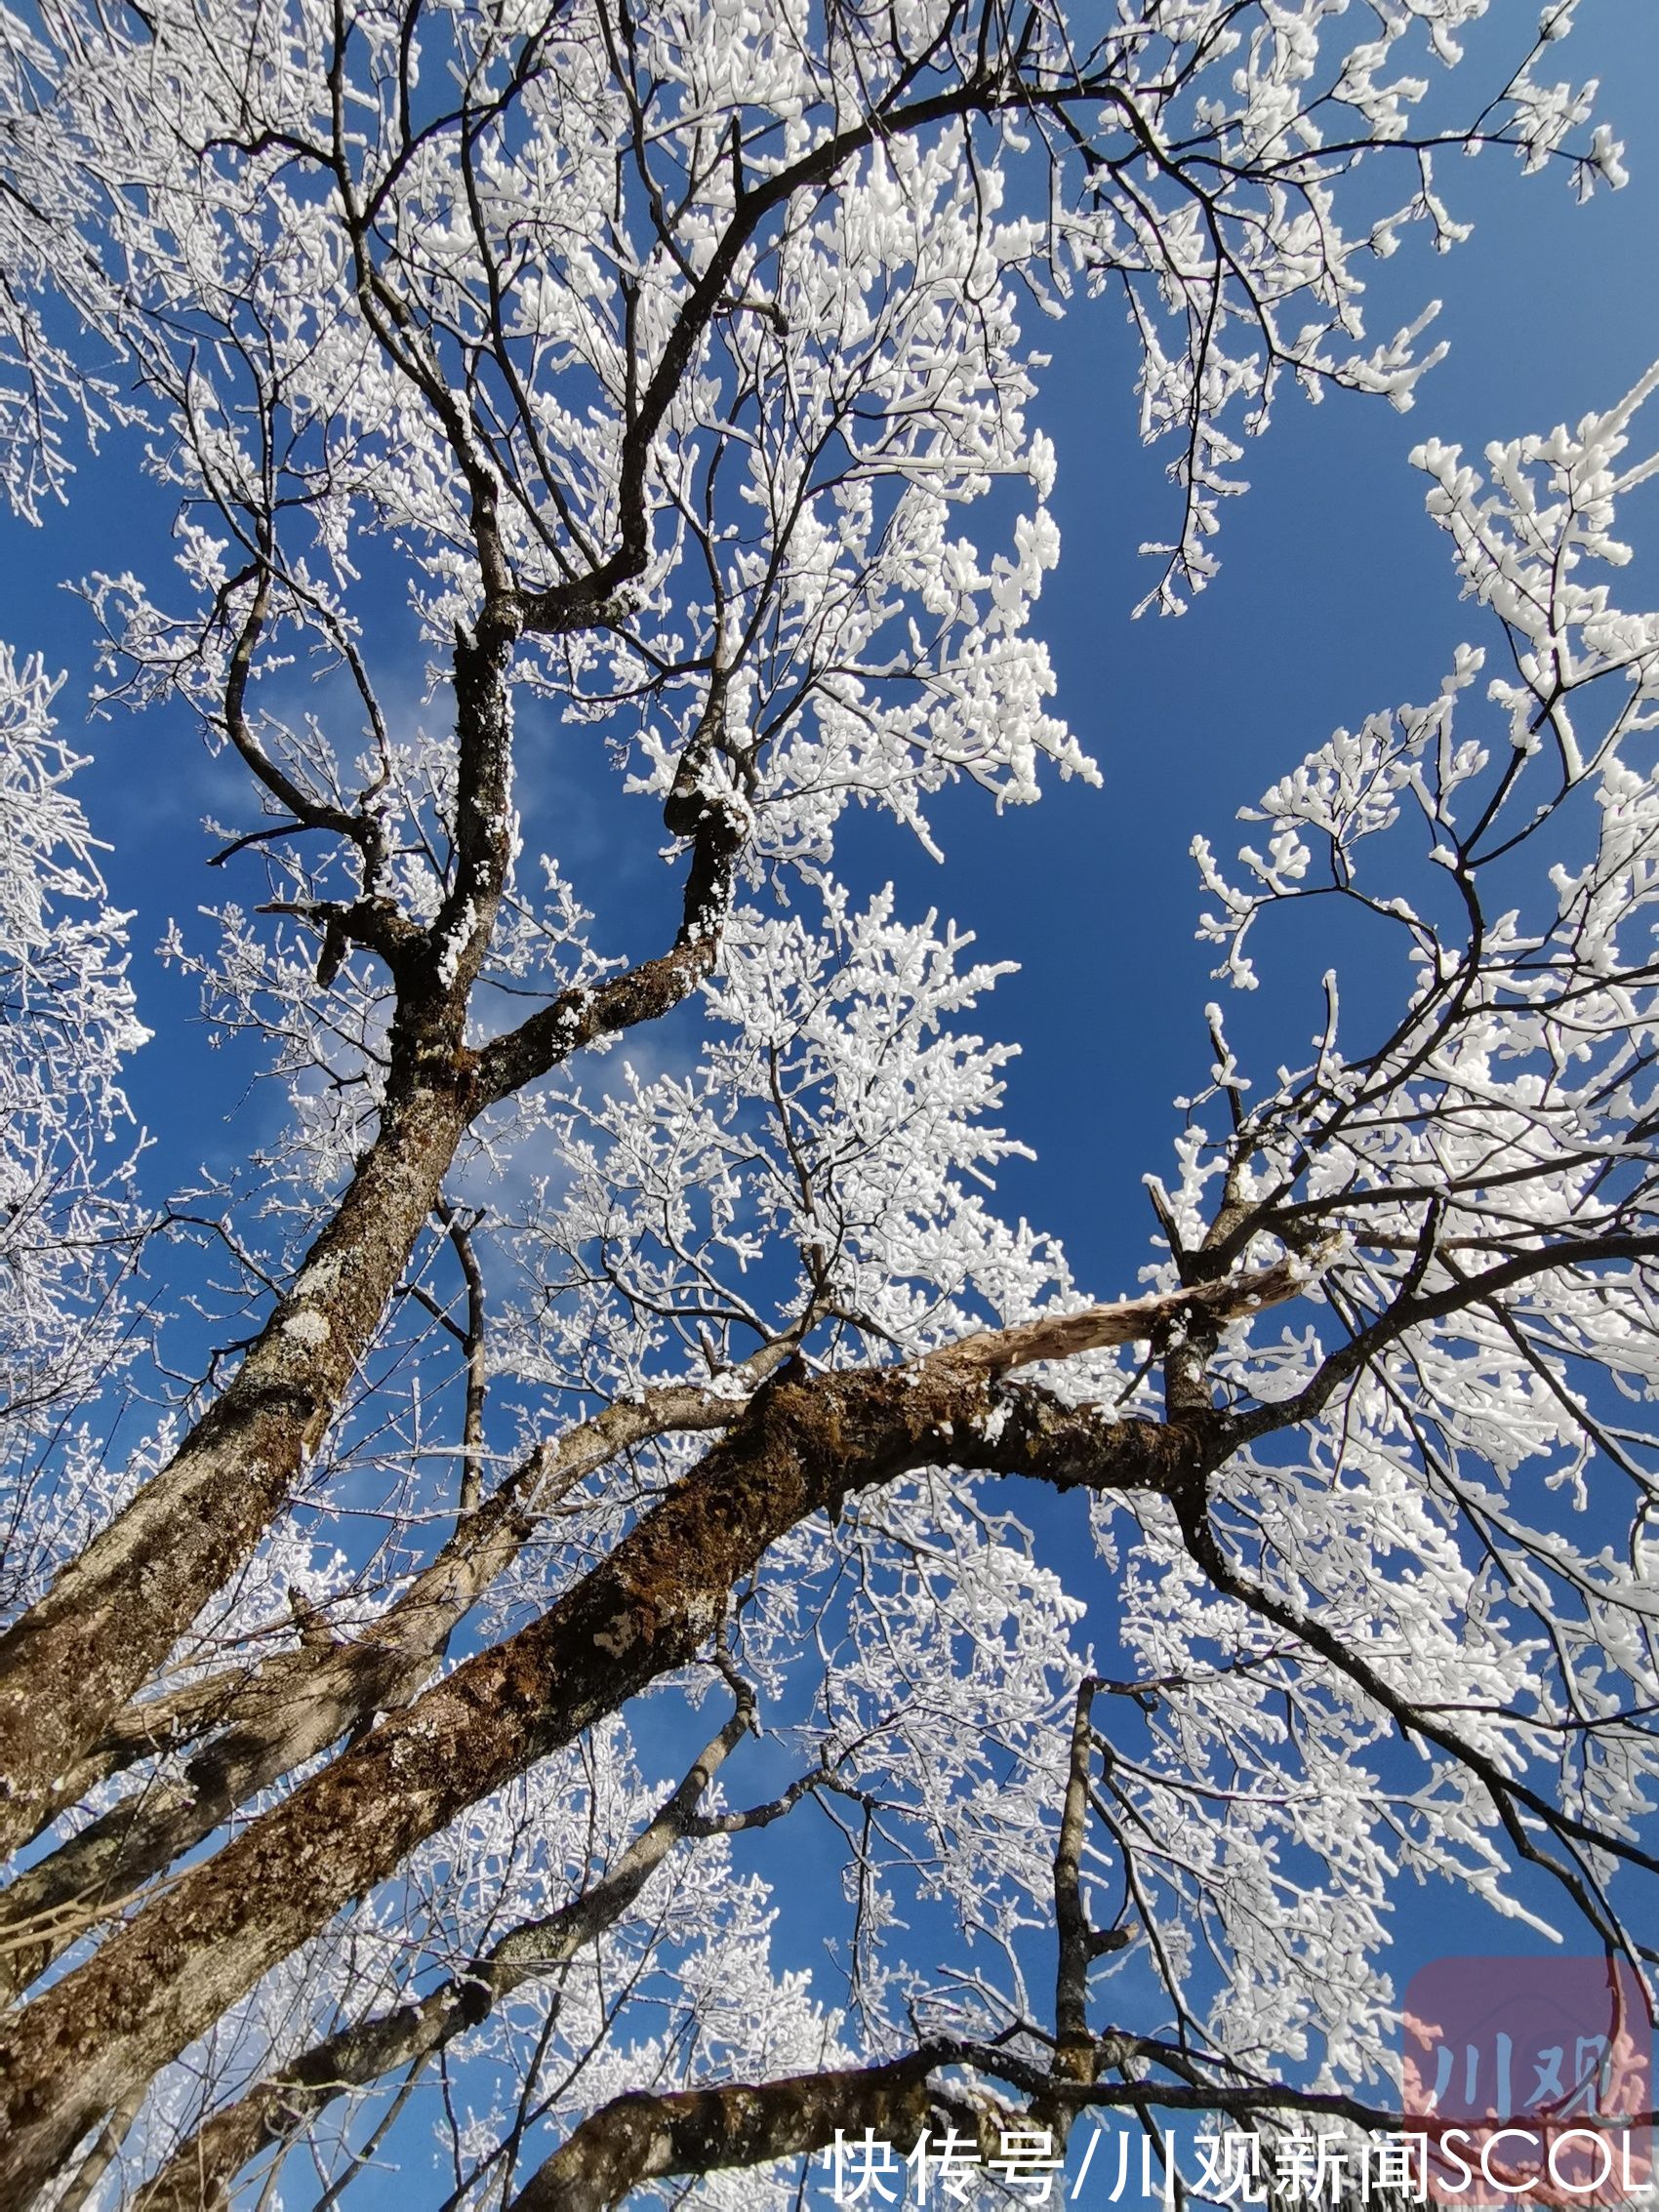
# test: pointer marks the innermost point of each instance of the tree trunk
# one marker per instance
(199, 2175)
(162, 1981)
(115, 1611)
(301, 1701)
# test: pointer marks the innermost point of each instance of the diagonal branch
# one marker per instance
(645, 1610)
(1059, 1336)
(299, 1702)
(199, 2175)
(641, 2138)
(1512, 1799)
(579, 1018)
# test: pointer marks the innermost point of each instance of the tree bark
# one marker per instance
(696, 2131)
(199, 2175)
(161, 1981)
(116, 1611)
(301, 1701)
(113, 1615)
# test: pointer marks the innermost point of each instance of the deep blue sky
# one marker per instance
(1336, 598)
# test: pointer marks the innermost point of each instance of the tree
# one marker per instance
(64, 1215)
(638, 373)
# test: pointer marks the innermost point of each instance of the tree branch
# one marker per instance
(200, 2174)
(642, 2137)
(646, 1609)
(299, 1702)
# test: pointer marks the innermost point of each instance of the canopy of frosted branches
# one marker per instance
(450, 1563)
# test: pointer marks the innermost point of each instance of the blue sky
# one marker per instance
(1336, 598)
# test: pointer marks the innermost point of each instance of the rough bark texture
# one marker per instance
(692, 2131)
(301, 1701)
(200, 2174)
(113, 1615)
(648, 1608)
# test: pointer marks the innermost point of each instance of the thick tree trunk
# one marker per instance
(156, 1985)
(199, 2175)
(302, 1702)
(113, 1615)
